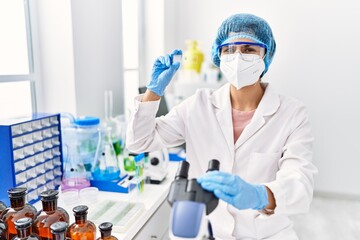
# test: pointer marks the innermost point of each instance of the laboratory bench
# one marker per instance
(152, 222)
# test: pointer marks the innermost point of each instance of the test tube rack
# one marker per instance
(30, 154)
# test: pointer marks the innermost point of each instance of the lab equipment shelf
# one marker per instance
(30, 154)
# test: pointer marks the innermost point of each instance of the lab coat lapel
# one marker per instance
(221, 101)
(268, 105)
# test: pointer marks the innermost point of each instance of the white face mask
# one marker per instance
(239, 72)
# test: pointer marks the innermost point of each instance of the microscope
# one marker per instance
(190, 206)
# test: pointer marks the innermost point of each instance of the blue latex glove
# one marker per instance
(234, 190)
(163, 70)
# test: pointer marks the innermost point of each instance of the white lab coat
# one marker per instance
(275, 149)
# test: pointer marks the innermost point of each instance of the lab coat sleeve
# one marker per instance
(146, 133)
(293, 187)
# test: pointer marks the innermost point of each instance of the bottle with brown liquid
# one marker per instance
(49, 214)
(18, 209)
(81, 229)
(24, 230)
(3, 230)
(58, 231)
(105, 231)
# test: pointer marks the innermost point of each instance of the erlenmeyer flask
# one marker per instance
(110, 122)
(74, 175)
(105, 167)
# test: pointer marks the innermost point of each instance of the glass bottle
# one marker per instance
(18, 209)
(2, 207)
(105, 231)
(58, 231)
(49, 214)
(112, 123)
(24, 230)
(3, 230)
(106, 167)
(81, 229)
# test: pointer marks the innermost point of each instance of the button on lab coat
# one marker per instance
(275, 149)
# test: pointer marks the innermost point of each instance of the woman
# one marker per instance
(262, 139)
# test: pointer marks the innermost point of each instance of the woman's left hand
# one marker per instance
(234, 190)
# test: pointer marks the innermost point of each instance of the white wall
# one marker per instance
(52, 31)
(80, 46)
(97, 31)
(317, 61)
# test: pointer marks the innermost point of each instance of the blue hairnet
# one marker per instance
(245, 26)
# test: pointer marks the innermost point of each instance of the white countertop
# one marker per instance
(152, 197)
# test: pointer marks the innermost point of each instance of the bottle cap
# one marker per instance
(87, 121)
(59, 227)
(49, 195)
(106, 226)
(23, 223)
(17, 192)
(80, 210)
(139, 157)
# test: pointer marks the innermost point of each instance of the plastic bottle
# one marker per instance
(58, 231)
(81, 229)
(18, 209)
(87, 132)
(81, 136)
(193, 57)
(106, 167)
(24, 230)
(3, 230)
(105, 231)
(49, 214)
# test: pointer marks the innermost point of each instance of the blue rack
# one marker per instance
(30, 154)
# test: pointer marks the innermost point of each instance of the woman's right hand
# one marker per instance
(163, 71)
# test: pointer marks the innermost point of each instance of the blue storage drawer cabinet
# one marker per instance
(30, 154)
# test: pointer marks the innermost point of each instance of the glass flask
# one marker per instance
(24, 230)
(74, 175)
(3, 230)
(18, 209)
(112, 123)
(58, 231)
(105, 167)
(49, 214)
(105, 231)
(81, 229)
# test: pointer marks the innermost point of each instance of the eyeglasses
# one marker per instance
(243, 48)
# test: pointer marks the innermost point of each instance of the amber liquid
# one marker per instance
(45, 219)
(82, 231)
(12, 215)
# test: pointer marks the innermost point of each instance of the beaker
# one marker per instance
(105, 167)
(74, 175)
